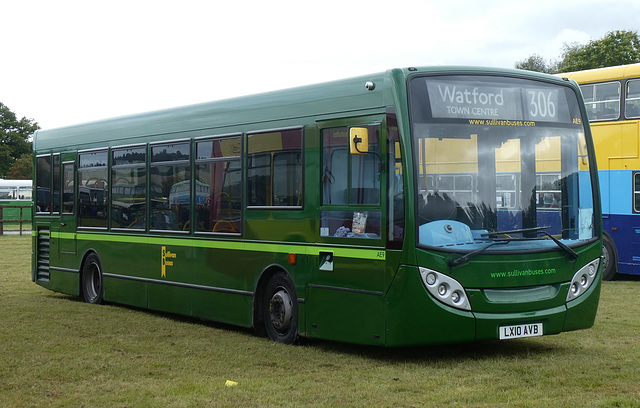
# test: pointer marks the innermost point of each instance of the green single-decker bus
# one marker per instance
(411, 207)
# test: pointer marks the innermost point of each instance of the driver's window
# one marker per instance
(350, 179)
(350, 187)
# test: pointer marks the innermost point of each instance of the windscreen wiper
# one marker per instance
(465, 258)
(516, 231)
(572, 254)
(539, 230)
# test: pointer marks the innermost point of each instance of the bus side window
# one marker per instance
(274, 168)
(93, 189)
(636, 192)
(395, 176)
(602, 100)
(170, 186)
(632, 102)
(68, 185)
(43, 184)
(218, 199)
(129, 187)
(57, 180)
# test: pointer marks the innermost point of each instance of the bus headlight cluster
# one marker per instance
(583, 279)
(444, 288)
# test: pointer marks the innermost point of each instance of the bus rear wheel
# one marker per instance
(281, 309)
(92, 280)
(609, 258)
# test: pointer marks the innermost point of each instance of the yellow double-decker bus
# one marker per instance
(612, 98)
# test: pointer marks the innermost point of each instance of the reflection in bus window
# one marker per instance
(93, 192)
(350, 179)
(549, 191)
(509, 175)
(170, 187)
(129, 188)
(43, 184)
(55, 207)
(274, 168)
(506, 187)
(395, 189)
(218, 202)
(287, 183)
(457, 186)
(68, 186)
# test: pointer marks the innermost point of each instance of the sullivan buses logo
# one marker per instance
(516, 273)
(166, 255)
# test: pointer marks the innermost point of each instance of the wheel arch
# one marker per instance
(607, 238)
(86, 255)
(265, 275)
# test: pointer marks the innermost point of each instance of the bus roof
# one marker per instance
(220, 117)
(215, 116)
(604, 74)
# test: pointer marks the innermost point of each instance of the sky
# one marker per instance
(65, 62)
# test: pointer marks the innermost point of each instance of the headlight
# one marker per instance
(444, 288)
(583, 279)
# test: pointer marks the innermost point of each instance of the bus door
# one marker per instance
(345, 294)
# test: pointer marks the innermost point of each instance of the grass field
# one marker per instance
(11, 226)
(56, 351)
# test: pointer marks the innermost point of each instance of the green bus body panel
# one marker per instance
(63, 281)
(581, 312)
(334, 312)
(522, 283)
(341, 315)
(374, 295)
(127, 292)
(422, 320)
(132, 265)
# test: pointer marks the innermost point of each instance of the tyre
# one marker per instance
(280, 308)
(609, 258)
(92, 280)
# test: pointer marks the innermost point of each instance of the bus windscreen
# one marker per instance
(499, 155)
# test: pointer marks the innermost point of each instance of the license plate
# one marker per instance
(519, 331)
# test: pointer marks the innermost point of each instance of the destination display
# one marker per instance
(471, 100)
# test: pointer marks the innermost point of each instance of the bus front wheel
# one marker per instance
(281, 309)
(92, 280)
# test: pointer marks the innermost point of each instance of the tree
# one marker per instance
(22, 169)
(536, 63)
(15, 138)
(615, 48)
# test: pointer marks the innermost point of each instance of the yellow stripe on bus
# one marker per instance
(347, 252)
